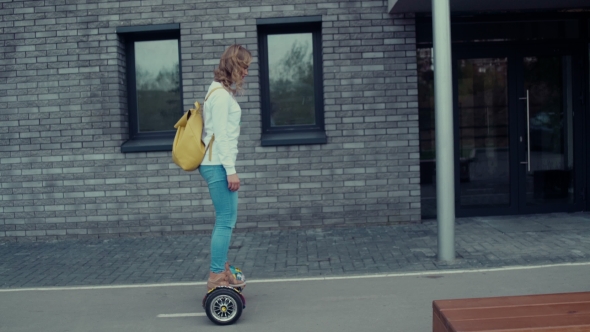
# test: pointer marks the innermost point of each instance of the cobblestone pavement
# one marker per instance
(481, 242)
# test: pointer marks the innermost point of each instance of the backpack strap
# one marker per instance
(210, 146)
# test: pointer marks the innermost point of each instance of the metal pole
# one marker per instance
(443, 100)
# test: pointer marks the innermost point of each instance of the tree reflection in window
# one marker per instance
(290, 58)
(157, 76)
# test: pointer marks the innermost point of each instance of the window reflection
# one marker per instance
(484, 132)
(427, 137)
(157, 75)
(290, 61)
(548, 81)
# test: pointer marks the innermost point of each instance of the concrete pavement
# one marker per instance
(397, 302)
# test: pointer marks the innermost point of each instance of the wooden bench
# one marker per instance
(547, 313)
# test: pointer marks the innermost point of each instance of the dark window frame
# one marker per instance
(147, 141)
(300, 134)
(424, 25)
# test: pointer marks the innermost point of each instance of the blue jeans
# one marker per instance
(225, 202)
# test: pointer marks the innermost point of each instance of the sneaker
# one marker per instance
(216, 280)
(235, 276)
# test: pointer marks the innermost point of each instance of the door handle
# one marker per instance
(528, 130)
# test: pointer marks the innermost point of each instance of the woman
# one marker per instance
(221, 130)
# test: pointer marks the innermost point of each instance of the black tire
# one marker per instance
(224, 306)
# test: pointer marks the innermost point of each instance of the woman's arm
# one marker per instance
(220, 107)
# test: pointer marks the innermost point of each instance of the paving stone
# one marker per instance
(480, 243)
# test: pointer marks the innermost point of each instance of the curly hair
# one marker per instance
(234, 60)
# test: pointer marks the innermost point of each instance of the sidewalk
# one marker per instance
(481, 242)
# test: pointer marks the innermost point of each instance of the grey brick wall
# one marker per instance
(63, 118)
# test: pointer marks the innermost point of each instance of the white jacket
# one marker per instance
(221, 116)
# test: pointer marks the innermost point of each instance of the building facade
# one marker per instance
(90, 92)
(337, 116)
(520, 106)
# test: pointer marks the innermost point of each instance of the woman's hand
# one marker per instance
(233, 182)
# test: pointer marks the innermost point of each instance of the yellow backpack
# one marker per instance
(188, 150)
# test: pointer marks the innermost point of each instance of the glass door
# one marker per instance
(516, 131)
(484, 124)
(547, 116)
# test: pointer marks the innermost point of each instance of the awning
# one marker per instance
(424, 6)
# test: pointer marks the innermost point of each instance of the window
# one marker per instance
(425, 62)
(153, 86)
(291, 81)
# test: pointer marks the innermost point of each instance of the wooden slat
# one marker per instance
(564, 322)
(437, 324)
(565, 312)
(518, 311)
(513, 300)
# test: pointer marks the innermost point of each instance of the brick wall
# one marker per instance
(63, 118)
